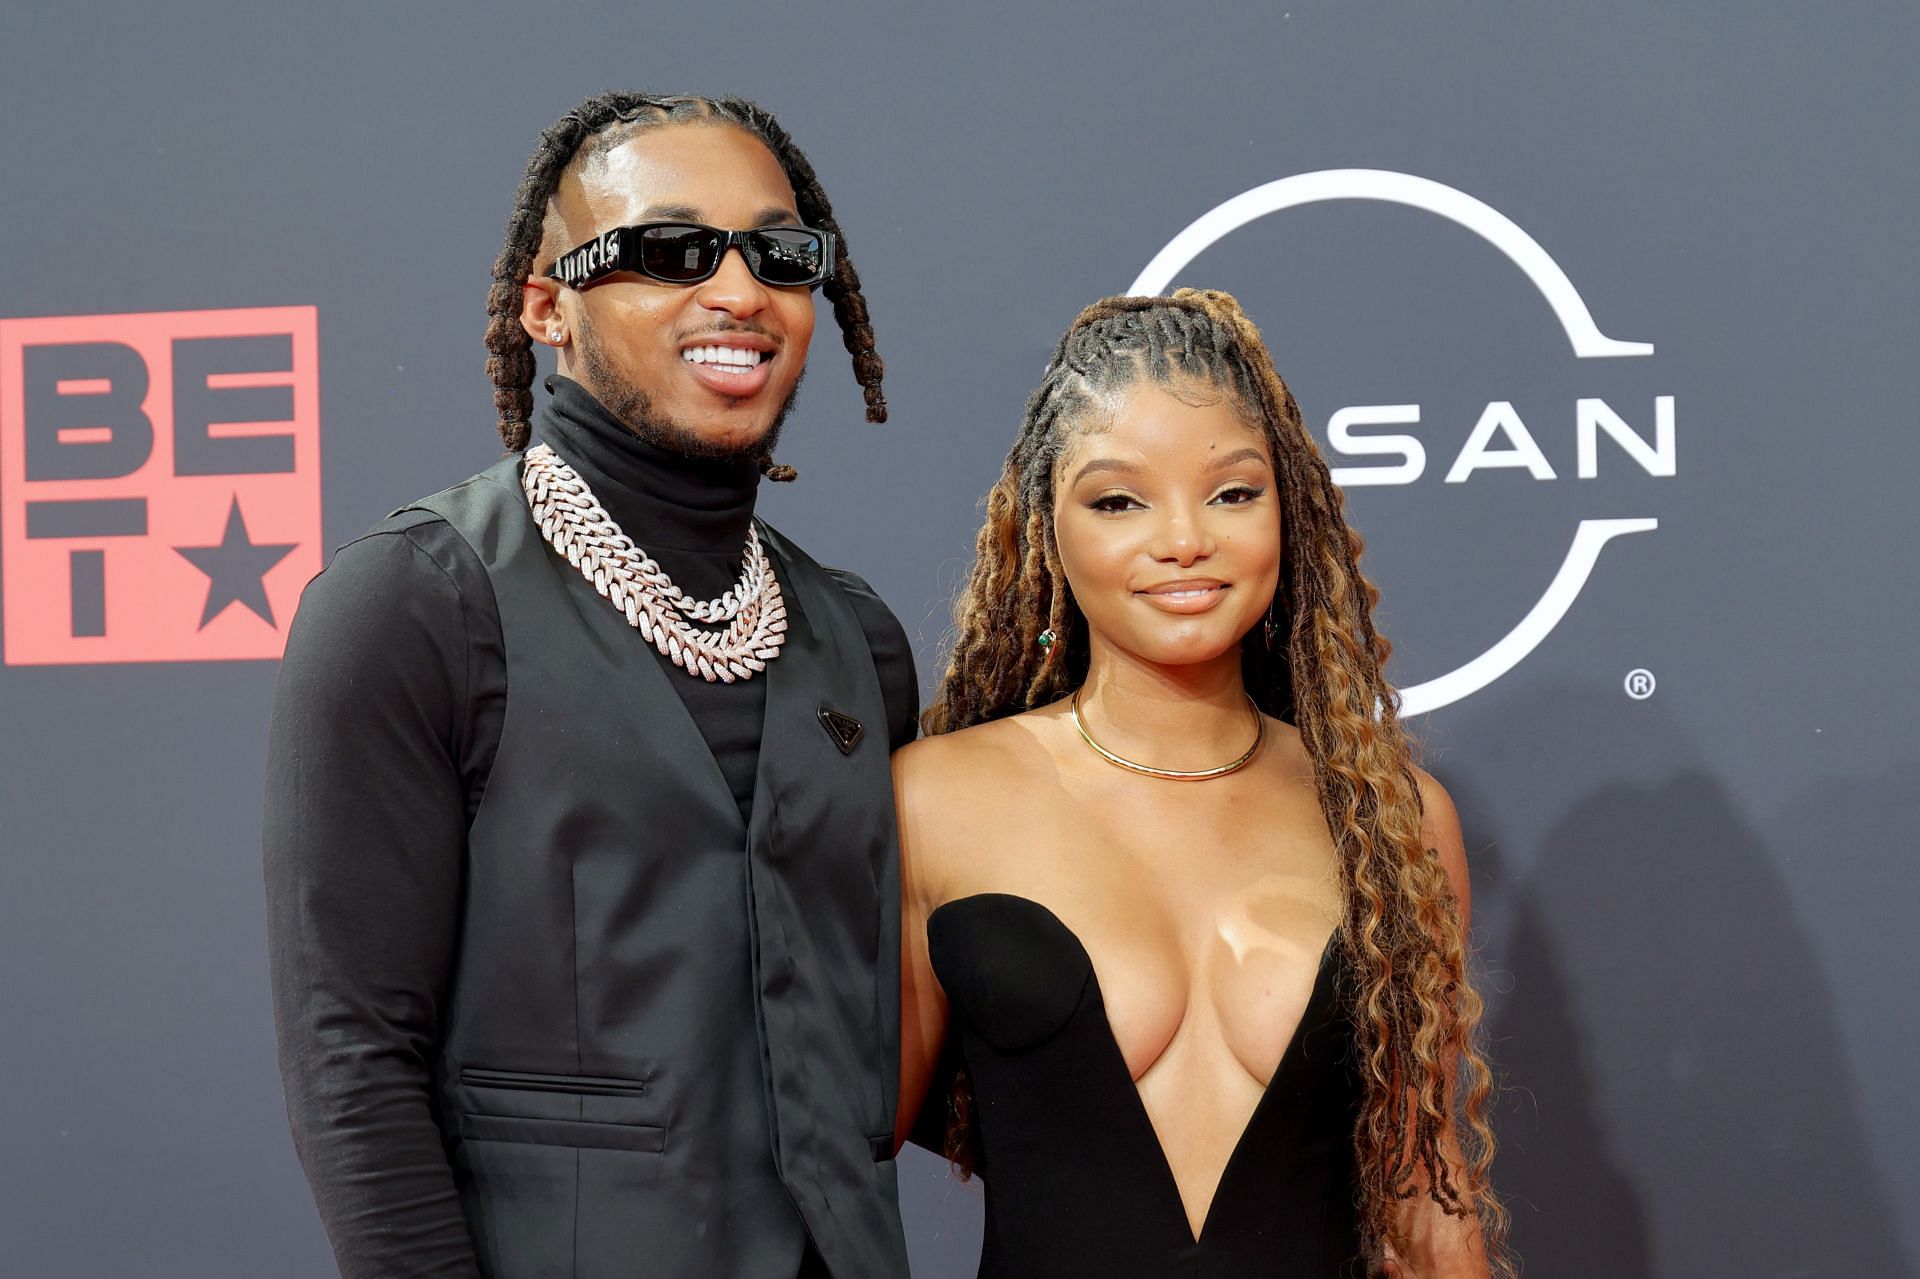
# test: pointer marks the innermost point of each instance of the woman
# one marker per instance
(1186, 919)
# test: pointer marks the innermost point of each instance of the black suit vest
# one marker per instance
(670, 1045)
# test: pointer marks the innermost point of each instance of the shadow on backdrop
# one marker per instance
(1675, 1068)
(1575, 1211)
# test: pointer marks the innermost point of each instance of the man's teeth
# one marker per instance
(731, 357)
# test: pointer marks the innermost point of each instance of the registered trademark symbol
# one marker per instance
(1639, 684)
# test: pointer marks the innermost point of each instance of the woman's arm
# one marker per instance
(923, 1005)
(1439, 1246)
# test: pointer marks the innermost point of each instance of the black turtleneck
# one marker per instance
(392, 695)
(692, 517)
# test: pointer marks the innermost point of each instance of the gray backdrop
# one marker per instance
(1694, 909)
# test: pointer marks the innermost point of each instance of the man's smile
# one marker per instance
(735, 364)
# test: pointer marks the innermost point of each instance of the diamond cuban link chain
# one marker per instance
(578, 527)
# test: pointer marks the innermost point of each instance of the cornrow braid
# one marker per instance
(1415, 1013)
(600, 123)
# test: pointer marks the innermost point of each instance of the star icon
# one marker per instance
(236, 569)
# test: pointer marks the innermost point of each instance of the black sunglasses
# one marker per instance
(688, 252)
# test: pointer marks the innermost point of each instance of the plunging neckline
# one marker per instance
(1112, 1045)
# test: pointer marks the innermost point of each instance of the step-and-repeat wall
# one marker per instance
(1605, 314)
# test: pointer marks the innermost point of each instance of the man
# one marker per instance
(581, 868)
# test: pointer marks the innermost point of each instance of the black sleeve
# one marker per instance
(892, 657)
(365, 837)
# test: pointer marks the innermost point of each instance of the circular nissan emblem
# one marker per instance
(1588, 342)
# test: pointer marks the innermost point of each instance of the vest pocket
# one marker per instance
(580, 1085)
(579, 1111)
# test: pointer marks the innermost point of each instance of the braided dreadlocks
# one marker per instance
(1414, 1011)
(599, 124)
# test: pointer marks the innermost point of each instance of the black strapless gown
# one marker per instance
(1076, 1180)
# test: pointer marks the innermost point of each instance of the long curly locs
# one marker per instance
(1416, 1014)
(605, 120)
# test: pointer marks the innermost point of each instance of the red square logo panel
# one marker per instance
(159, 484)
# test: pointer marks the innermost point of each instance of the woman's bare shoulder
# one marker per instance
(952, 792)
(951, 767)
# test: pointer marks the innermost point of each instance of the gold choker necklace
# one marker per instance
(1173, 774)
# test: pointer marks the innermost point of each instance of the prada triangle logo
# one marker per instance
(845, 730)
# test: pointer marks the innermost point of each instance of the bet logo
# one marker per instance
(159, 484)
(1639, 437)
